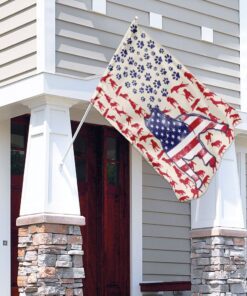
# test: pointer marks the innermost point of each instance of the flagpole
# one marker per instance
(89, 107)
(85, 115)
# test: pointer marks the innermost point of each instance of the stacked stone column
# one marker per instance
(50, 260)
(218, 265)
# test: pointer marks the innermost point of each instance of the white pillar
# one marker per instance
(49, 192)
(136, 221)
(5, 206)
(222, 206)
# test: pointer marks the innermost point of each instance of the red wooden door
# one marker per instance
(19, 132)
(115, 214)
(88, 186)
(101, 156)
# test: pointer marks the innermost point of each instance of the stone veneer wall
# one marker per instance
(218, 266)
(50, 260)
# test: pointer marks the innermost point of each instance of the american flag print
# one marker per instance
(179, 126)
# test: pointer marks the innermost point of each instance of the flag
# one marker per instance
(179, 126)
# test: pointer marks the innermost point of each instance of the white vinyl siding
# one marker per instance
(17, 40)
(85, 40)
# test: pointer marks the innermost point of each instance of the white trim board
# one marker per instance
(135, 221)
(46, 36)
(5, 207)
(49, 84)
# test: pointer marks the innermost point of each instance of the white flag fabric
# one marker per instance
(179, 125)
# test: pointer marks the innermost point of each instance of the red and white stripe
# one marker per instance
(192, 146)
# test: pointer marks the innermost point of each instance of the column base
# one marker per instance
(218, 265)
(50, 219)
(50, 260)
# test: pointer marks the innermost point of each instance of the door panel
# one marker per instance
(115, 213)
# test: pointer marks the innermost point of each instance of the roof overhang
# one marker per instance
(13, 96)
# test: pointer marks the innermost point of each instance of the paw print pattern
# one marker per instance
(145, 68)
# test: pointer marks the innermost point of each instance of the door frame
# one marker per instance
(5, 266)
(136, 250)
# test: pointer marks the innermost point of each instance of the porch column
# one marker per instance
(218, 234)
(50, 242)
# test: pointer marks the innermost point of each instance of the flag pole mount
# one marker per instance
(75, 134)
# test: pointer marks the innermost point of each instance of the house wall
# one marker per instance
(85, 40)
(17, 39)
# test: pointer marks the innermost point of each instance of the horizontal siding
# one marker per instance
(105, 23)
(234, 4)
(157, 193)
(165, 219)
(166, 226)
(160, 268)
(86, 40)
(170, 231)
(22, 35)
(2, 2)
(207, 8)
(218, 62)
(18, 67)
(169, 278)
(166, 256)
(16, 21)
(17, 40)
(15, 7)
(161, 206)
(17, 52)
(79, 64)
(170, 9)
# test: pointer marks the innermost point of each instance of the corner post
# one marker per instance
(5, 202)
(218, 234)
